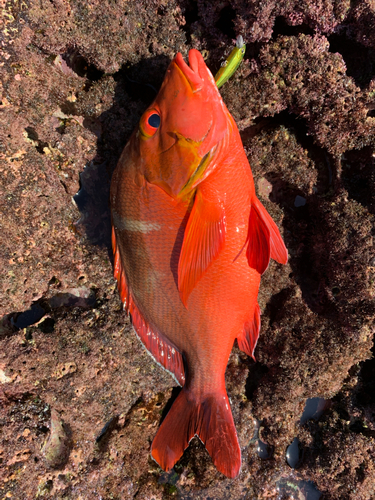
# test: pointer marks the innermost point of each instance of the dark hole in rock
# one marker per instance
(33, 136)
(281, 27)
(310, 283)
(365, 392)
(43, 429)
(359, 59)
(335, 291)
(94, 125)
(360, 428)
(69, 108)
(61, 128)
(361, 473)
(81, 66)
(74, 297)
(171, 400)
(290, 488)
(256, 372)
(107, 429)
(191, 15)
(275, 305)
(29, 317)
(358, 176)
(299, 201)
(7, 326)
(294, 454)
(47, 326)
(314, 409)
(225, 22)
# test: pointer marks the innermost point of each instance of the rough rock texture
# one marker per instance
(80, 399)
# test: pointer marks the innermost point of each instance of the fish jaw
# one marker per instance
(203, 83)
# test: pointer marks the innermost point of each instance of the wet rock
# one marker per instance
(314, 409)
(292, 487)
(300, 201)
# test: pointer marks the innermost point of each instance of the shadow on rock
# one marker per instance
(136, 88)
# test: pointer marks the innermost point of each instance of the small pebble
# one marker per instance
(300, 201)
(56, 449)
(294, 454)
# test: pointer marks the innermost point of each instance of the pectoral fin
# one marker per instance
(265, 240)
(204, 238)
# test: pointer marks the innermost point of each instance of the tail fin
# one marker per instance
(211, 420)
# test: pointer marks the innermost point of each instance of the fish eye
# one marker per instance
(149, 123)
(154, 120)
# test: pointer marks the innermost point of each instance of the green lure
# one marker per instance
(231, 64)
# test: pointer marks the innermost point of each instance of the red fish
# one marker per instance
(190, 242)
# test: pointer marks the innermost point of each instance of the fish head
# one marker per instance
(180, 132)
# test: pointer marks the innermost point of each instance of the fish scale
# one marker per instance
(191, 241)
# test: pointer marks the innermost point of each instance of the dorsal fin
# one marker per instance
(158, 346)
(265, 240)
(249, 337)
(203, 239)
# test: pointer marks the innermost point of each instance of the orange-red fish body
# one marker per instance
(190, 243)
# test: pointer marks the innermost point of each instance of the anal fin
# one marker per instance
(157, 344)
(203, 239)
(249, 337)
(264, 238)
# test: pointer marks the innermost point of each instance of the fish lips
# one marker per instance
(191, 71)
(200, 80)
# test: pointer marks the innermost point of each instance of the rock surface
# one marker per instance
(75, 79)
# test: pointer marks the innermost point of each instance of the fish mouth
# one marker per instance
(199, 174)
(191, 71)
